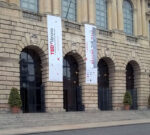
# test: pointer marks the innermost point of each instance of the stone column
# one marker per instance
(84, 11)
(57, 7)
(139, 18)
(41, 6)
(110, 15)
(114, 15)
(118, 89)
(14, 2)
(135, 22)
(92, 11)
(144, 24)
(120, 15)
(47, 6)
(79, 11)
(143, 90)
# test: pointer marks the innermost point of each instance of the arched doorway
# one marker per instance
(32, 92)
(130, 84)
(72, 91)
(104, 92)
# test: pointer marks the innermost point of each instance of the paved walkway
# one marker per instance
(41, 122)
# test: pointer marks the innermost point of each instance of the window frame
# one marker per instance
(74, 18)
(105, 17)
(128, 19)
(30, 10)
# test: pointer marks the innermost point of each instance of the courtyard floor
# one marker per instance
(36, 122)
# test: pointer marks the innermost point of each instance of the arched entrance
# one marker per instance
(32, 92)
(104, 92)
(130, 84)
(72, 91)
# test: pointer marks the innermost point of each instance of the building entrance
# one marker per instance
(104, 92)
(32, 92)
(130, 85)
(72, 91)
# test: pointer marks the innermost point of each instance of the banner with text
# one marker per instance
(91, 54)
(55, 48)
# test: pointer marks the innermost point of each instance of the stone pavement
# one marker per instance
(42, 122)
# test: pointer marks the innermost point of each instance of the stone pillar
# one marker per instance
(90, 97)
(14, 2)
(139, 18)
(144, 24)
(143, 90)
(47, 6)
(118, 89)
(120, 15)
(109, 15)
(79, 11)
(84, 11)
(114, 15)
(57, 7)
(41, 6)
(135, 22)
(92, 11)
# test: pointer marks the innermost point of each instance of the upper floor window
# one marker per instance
(101, 13)
(148, 5)
(69, 9)
(29, 5)
(128, 17)
(149, 29)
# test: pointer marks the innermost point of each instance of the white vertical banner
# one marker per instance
(91, 54)
(55, 48)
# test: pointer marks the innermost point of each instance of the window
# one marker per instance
(69, 9)
(101, 13)
(30, 5)
(128, 17)
(148, 5)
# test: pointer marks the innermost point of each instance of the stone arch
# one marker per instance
(135, 61)
(78, 53)
(133, 3)
(44, 60)
(106, 53)
(81, 64)
(106, 74)
(111, 68)
(74, 48)
(78, 77)
(137, 73)
(34, 42)
(108, 56)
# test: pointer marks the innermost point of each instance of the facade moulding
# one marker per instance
(32, 41)
(6, 59)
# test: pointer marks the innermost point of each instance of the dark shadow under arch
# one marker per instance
(132, 76)
(72, 90)
(105, 71)
(31, 88)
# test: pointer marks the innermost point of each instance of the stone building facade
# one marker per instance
(22, 29)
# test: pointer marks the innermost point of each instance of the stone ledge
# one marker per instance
(107, 33)
(131, 38)
(32, 16)
(72, 25)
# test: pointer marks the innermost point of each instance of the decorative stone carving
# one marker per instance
(32, 39)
